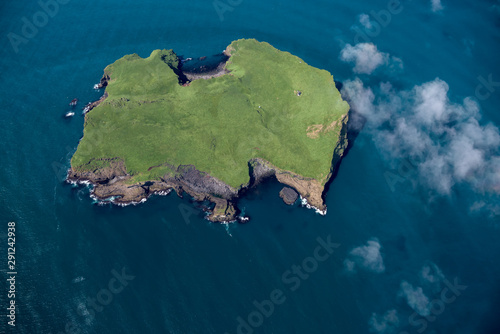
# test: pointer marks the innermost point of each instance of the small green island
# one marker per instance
(214, 131)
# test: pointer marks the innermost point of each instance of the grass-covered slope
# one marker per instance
(152, 123)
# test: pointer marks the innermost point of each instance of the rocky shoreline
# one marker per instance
(219, 71)
(205, 71)
(112, 184)
(94, 104)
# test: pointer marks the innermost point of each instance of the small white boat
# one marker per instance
(70, 114)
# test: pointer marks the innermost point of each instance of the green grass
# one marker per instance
(150, 120)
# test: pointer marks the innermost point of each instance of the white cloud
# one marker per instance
(415, 298)
(367, 257)
(446, 139)
(365, 21)
(349, 265)
(367, 58)
(432, 101)
(383, 324)
(436, 5)
(360, 98)
(431, 273)
(480, 206)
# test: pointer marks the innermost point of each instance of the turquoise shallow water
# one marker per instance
(186, 275)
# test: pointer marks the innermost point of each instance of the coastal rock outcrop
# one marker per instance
(104, 81)
(288, 195)
(112, 182)
(94, 104)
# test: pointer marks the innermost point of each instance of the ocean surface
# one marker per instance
(407, 246)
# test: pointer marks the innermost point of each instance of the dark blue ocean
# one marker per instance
(411, 240)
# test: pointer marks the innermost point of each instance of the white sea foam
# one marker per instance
(85, 182)
(243, 219)
(131, 203)
(87, 108)
(94, 198)
(106, 200)
(72, 182)
(163, 192)
(227, 227)
(79, 182)
(304, 202)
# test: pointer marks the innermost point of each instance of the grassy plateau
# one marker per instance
(271, 105)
